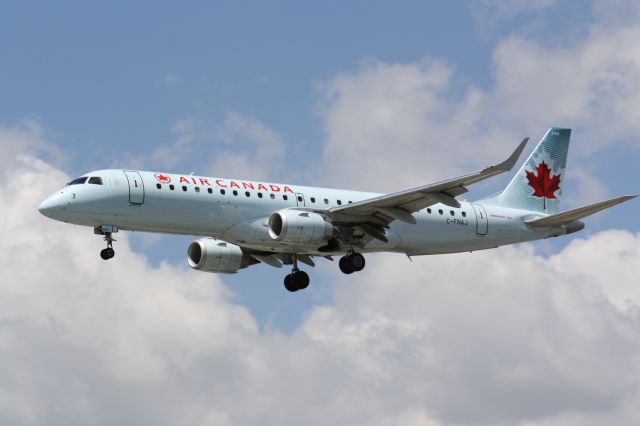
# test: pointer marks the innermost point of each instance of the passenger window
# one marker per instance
(222, 191)
(326, 201)
(440, 211)
(158, 186)
(313, 199)
(247, 194)
(464, 214)
(78, 181)
(284, 197)
(272, 196)
(429, 211)
(95, 180)
(259, 194)
(184, 188)
(452, 213)
(350, 202)
(339, 202)
(299, 198)
(235, 192)
(210, 191)
(197, 189)
(171, 187)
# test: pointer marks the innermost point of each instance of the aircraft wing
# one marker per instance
(375, 214)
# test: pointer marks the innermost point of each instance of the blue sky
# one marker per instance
(110, 82)
(114, 78)
(366, 95)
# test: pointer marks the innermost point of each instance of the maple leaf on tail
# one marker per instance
(544, 185)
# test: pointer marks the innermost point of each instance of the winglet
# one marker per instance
(513, 158)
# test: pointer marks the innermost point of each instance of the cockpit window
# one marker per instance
(96, 180)
(78, 181)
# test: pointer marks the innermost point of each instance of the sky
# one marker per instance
(377, 96)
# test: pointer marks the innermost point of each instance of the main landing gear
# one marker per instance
(297, 279)
(107, 231)
(352, 262)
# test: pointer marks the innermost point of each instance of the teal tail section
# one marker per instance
(538, 184)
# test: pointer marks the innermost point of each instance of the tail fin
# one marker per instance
(538, 184)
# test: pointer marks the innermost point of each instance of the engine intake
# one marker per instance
(297, 226)
(211, 255)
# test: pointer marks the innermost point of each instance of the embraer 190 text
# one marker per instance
(246, 223)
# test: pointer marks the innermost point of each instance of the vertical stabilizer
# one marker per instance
(538, 184)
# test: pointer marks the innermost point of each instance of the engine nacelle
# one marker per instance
(211, 255)
(298, 226)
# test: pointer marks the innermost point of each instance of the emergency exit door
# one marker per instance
(136, 187)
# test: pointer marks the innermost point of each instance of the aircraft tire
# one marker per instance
(301, 280)
(289, 283)
(357, 262)
(107, 253)
(345, 265)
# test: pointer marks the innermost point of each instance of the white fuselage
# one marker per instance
(237, 211)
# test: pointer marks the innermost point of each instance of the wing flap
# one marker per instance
(575, 214)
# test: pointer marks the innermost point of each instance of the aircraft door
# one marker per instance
(299, 199)
(136, 187)
(482, 222)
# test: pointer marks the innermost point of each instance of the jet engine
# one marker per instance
(297, 226)
(211, 255)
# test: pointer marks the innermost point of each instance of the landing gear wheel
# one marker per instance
(357, 262)
(345, 265)
(301, 279)
(107, 253)
(289, 284)
(296, 280)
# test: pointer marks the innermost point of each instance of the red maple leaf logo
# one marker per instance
(162, 178)
(544, 185)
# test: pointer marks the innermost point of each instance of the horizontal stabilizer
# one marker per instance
(575, 214)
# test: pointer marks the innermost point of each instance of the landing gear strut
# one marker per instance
(107, 230)
(297, 279)
(352, 262)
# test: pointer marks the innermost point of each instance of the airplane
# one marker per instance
(244, 223)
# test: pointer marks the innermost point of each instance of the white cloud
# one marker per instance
(392, 126)
(489, 13)
(590, 188)
(166, 156)
(241, 147)
(592, 85)
(252, 150)
(27, 137)
(496, 337)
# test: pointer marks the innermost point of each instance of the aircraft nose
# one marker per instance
(50, 206)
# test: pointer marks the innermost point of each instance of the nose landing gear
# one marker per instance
(107, 230)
